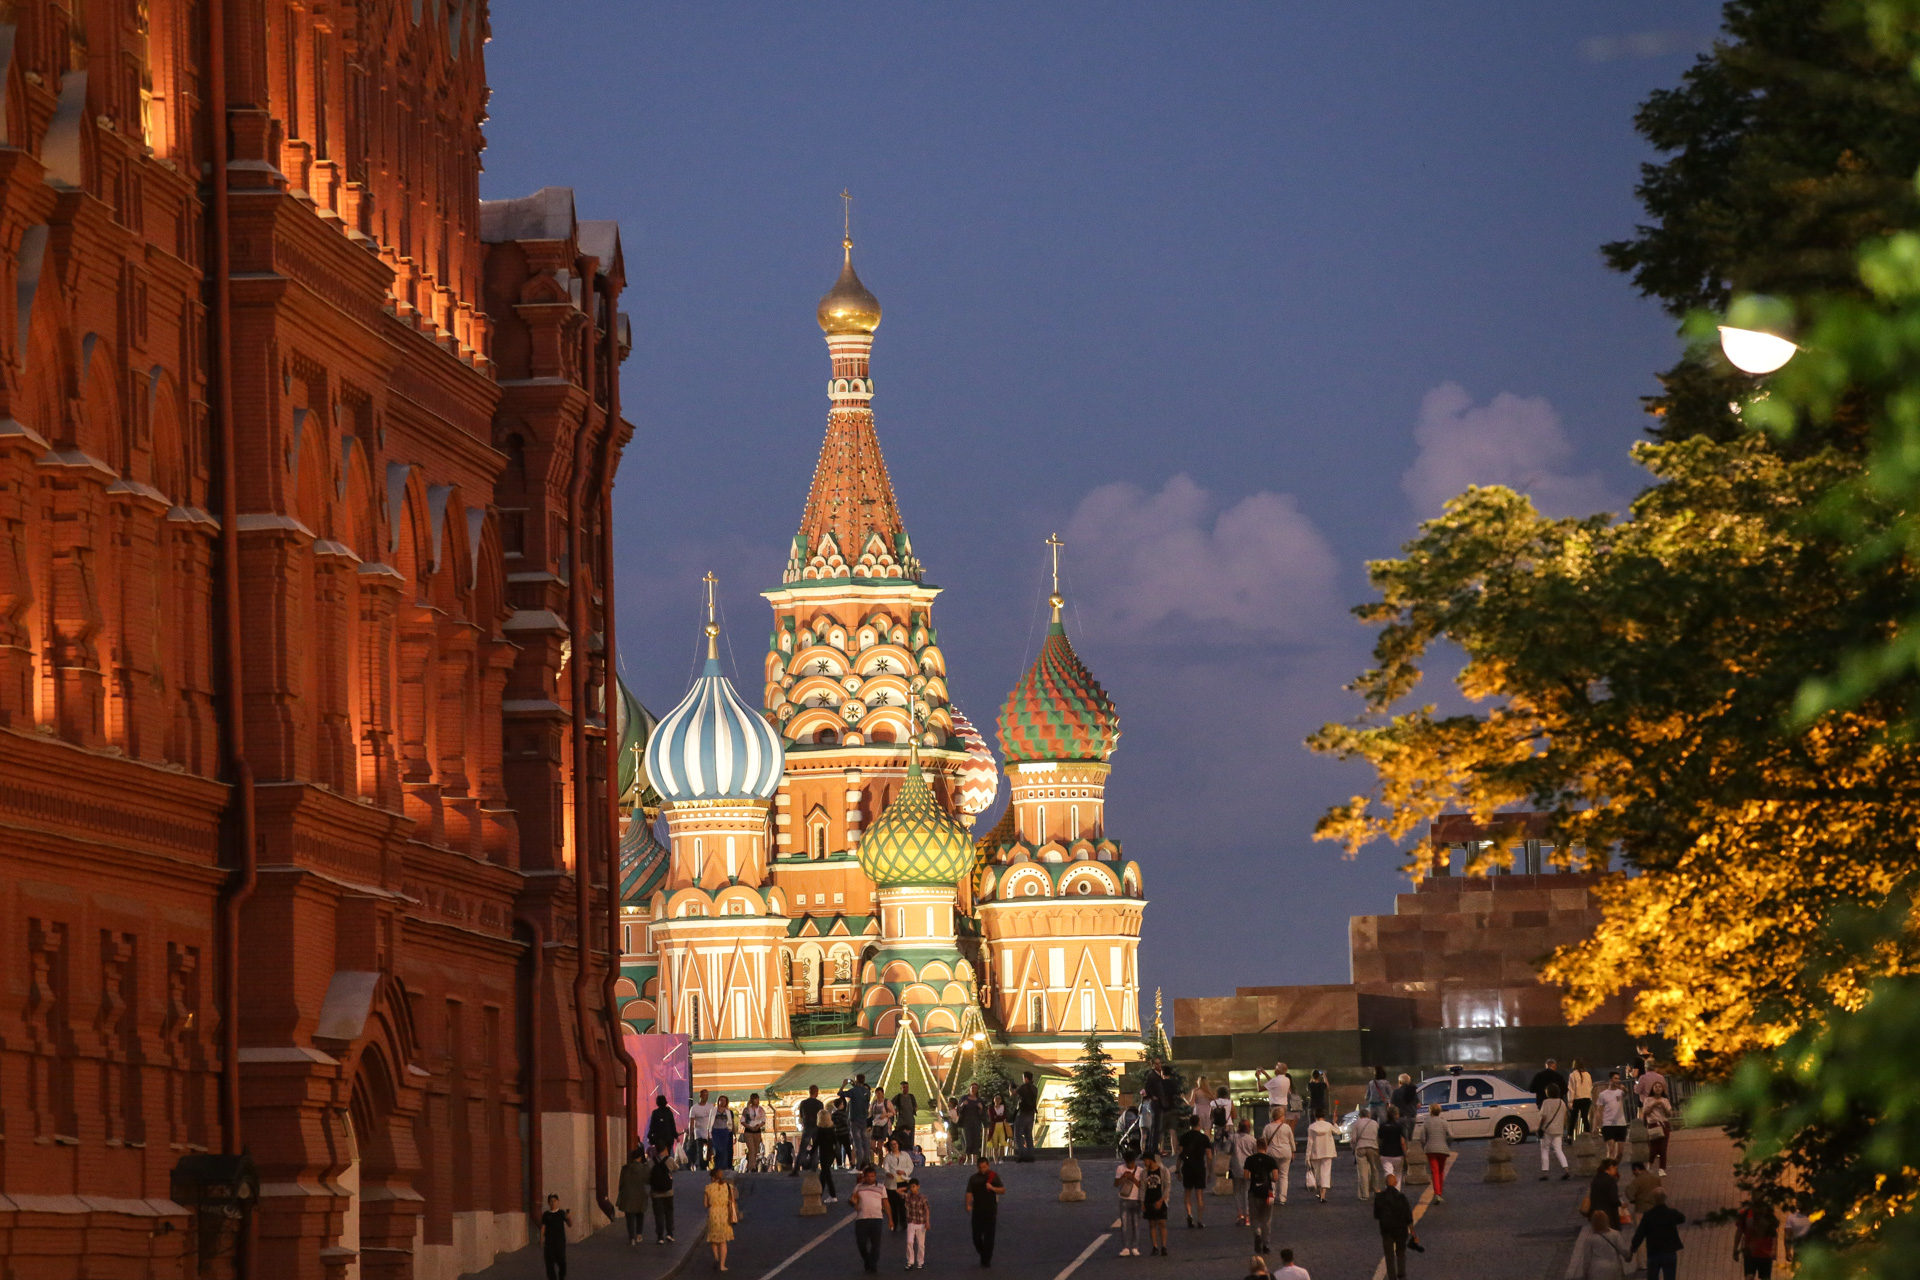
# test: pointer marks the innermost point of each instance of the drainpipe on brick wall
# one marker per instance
(578, 623)
(239, 774)
(536, 1162)
(616, 1027)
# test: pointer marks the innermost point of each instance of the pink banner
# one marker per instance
(665, 1063)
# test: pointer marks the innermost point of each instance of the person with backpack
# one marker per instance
(662, 1131)
(1127, 1181)
(1155, 1188)
(1279, 1136)
(660, 1192)
(1220, 1117)
(1128, 1137)
(1259, 1172)
(1394, 1216)
(1553, 1129)
(1756, 1240)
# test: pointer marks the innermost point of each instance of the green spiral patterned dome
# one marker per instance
(916, 841)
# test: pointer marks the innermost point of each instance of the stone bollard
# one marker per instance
(1587, 1150)
(1418, 1175)
(1500, 1161)
(1070, 1188)
(810, 1206)
(1637, 1148)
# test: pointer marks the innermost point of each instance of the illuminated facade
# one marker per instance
(859, 901)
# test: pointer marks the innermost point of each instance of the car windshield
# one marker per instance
(1438, 1091)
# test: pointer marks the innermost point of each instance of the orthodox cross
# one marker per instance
(713, 628)
(846, 200)
(1056, 599)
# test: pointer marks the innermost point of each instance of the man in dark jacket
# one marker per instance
(1406, 1100)
(1394, 1216)
(1026, 1107)
(1603, 1196)
(662, 1130)
(1547, 1075)
(1163, 1091)
(859, 1098)
(1660, 1229)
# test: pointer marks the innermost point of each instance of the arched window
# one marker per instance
(699, 859)
(826, 737)
(1040, 819)
(1086, 1009)
(1073, 817)
(733, 865)
(817, 840)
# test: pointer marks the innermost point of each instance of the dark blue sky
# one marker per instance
(1231, 294)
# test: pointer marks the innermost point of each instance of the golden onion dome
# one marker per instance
(849, 307)
(916, 841)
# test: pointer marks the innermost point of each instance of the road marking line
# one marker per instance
(1419, 1212)
(1084, 1255)
(806, 1248)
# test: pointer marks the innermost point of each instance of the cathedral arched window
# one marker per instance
(1074, 820)
(733, 864)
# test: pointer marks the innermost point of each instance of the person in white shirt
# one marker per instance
(699, 1131)
(1553, 1130)
(1289, 1269)
(1279, 1087)
(1279, 1136)
(1322, 1147)
(1612, 1102)
(1366, 1154)
(896, 1169)
(1126, 1181)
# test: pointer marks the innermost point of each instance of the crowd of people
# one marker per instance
(1173, 1139)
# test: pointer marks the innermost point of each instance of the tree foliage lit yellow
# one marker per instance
(1636, 678)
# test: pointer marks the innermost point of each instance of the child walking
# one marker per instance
(919, 1218)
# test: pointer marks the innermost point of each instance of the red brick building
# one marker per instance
(305, 466)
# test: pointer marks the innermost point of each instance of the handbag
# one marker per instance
(1586, 1205)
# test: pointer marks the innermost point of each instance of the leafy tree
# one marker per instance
(1093, 1104)
(1639, 676)
(990, 1072)
(1785, 146)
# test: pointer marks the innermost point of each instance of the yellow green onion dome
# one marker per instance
(916, 841)
(1058, 711)
(978, 779)
(849, 307)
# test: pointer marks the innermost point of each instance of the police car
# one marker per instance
(1474, 1106)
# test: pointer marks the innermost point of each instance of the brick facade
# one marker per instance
(423, 402)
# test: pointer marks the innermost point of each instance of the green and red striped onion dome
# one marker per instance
(1058, 711)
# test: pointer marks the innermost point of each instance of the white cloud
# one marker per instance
(1145, 562)
(1511, 440)
(1641, 44)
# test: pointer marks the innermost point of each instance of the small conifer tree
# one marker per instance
(990, 1072)
(1093, 1104)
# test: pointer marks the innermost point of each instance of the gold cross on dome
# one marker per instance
(846, 201)
(1054, 541)
(713, 628)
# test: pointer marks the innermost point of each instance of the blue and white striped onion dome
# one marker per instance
(713, 746)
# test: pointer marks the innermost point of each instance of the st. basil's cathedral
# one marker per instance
(821, 899)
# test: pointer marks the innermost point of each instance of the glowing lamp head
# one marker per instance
(1752, 336)
(1754, 351)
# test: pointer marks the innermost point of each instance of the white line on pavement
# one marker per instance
(806, 1248)
(1084, 1255)
(1419, 1212)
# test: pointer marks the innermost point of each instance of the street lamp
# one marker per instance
(1752, 339)
(1755, 351)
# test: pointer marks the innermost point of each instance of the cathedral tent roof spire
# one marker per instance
(851, 528)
